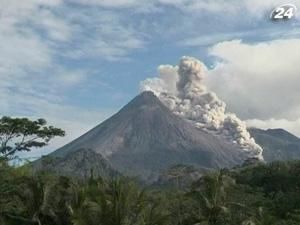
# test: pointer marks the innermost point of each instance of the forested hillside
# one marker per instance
(258, 194)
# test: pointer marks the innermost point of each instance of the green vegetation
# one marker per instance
(261, 194)
(22, 134)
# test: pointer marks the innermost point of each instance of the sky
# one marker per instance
(77, 62)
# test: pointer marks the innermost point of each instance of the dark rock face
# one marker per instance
(83, 163)
(144, 138)
(278, 144)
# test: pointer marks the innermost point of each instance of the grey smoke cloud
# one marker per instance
(182, 89)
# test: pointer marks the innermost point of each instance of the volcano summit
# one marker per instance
(145, 138)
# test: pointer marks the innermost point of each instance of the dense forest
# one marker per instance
(253, 194)
(259, 194)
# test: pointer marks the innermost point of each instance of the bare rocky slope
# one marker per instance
(278, 144)
(145, 138)
(83, 163)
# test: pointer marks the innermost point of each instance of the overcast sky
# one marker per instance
(76, 62)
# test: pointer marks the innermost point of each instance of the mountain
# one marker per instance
(83, 163)
(278, 144)
(145, 138)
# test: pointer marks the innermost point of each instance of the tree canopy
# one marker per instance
(23, 134)
(257, 194)
(240, 196)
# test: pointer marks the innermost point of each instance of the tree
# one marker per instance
(23, 134)
(210, 192)
(41, 199)
(115, 202)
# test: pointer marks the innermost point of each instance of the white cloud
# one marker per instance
(258, 81)
(102, 34)
(57, 29)
(33, 82)
(74, 120)
(264, 33)
(33, 33)
(257, 7)
(107, 3)
(182, 90)
(253, 7)
(23, 50)
(292, 126)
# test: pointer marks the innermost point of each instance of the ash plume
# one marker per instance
(182, 89)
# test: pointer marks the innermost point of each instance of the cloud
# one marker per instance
(43, 42)
(35, 32)
(101, 34)
(229, 20)
(33, 82)
(107, 3)
(182, 89)
(290, 125)
(256, 9)
(73, 119)
(23, 49)
(68, 78)
(259, 80)
(15, 57)
(257, 77)
(253, 7)
(261, 33)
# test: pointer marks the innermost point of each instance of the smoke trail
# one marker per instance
(181, 88)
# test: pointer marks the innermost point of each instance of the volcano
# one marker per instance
(145, 138)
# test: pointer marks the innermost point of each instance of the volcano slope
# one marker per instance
(145, 138)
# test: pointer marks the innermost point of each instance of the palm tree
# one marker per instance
(41, 200)
(210, 193)
(116, 202)
(86, 207)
